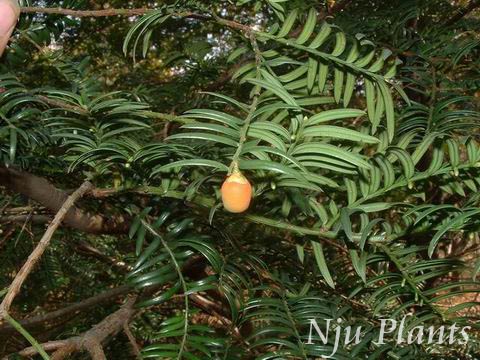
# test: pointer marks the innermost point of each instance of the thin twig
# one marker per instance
(63, 105)
(27, 336)
(37, 253)
(92, 339)
(71, 310)
(104, 13)
(253, 107)
(25, 219)
(48, 346)
(85, 13)
(132, 340)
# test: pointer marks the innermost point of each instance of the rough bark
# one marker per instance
(91, 340)
(43, 192)
(69, 311)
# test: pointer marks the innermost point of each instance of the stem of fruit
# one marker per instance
(243, 137)
(234, 168)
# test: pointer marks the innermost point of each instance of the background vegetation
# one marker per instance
(356, 121)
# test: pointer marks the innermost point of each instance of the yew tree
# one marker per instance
(345, 134)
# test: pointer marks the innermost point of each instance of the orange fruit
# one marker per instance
(236, 193)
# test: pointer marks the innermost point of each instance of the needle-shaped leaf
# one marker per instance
(203, 136)
(338, 132)
(271, 166)
(336, 114)
(333, 151)
(308, 27)
(322, 263)
(192, 162)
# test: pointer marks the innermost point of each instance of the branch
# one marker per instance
(324, 235)
(102, 13)
(85, 13)
(91, 340)
(36, 219)
(95, 350)
(37, 253)
(463, 12)
(253, 107)
(72, 310)
(133, 341)
(48, 346)
(63, 105)
(42, 191)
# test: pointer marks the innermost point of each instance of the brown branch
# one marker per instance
(70, 311)
(20, 210)
(132, 340)
(216, 310)
(102, 13)
(63, 105)
(94, 349)
(63, 351)
(235, 25)
(91, 340)
(48, 346)
(85, 13)
(37, 253)
(42, 191)
(36, 219)
(463, 12)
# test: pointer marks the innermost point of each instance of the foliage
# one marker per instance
(364, 160)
